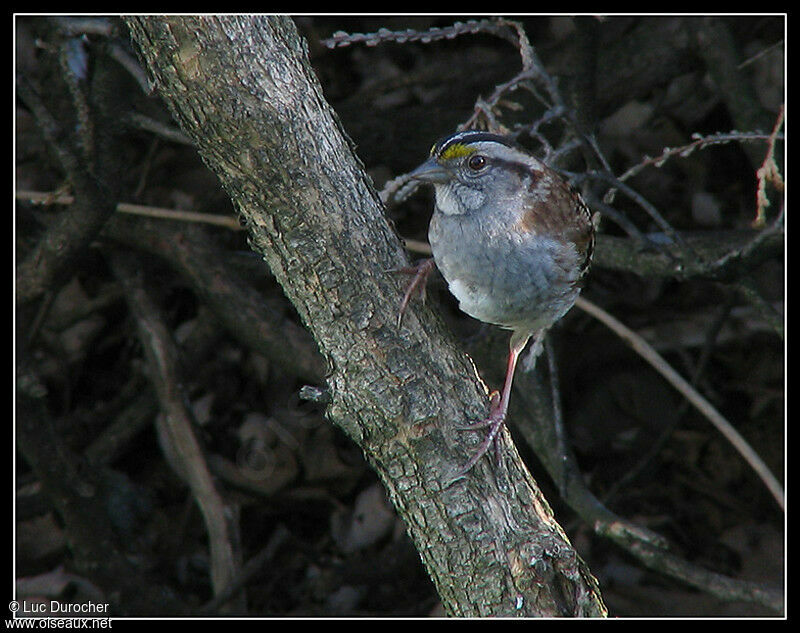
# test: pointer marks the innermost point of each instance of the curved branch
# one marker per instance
(176, 436)
(698, 401)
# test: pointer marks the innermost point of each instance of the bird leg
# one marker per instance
(421, 270)
(498, 407)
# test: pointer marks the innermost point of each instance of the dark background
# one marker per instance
(334, 544)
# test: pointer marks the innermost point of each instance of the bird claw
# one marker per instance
(495, 421)
(420, 272)
(494, 403)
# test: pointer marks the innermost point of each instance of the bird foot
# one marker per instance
(421, 271)
(494, 404)
(495, 421)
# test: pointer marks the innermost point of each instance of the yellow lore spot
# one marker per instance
(456, 150)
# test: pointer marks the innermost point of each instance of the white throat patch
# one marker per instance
(455, 200)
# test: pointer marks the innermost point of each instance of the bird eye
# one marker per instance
(476, 162)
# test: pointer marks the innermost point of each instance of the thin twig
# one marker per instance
(643, 202)
(666, 433)
(56, 197)
(699, 142)
(433, 34)
(698, 401)
(558, 415)
(769, 171)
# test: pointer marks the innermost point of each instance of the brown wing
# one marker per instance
(559, 210)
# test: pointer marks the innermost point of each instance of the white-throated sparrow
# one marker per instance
(511, 238)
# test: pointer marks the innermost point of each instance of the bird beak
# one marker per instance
(431, 171)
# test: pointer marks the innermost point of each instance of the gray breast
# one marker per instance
(499, 280)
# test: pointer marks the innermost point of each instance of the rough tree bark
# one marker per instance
(242, 88)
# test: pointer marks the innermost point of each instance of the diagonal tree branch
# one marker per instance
(242, 89)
